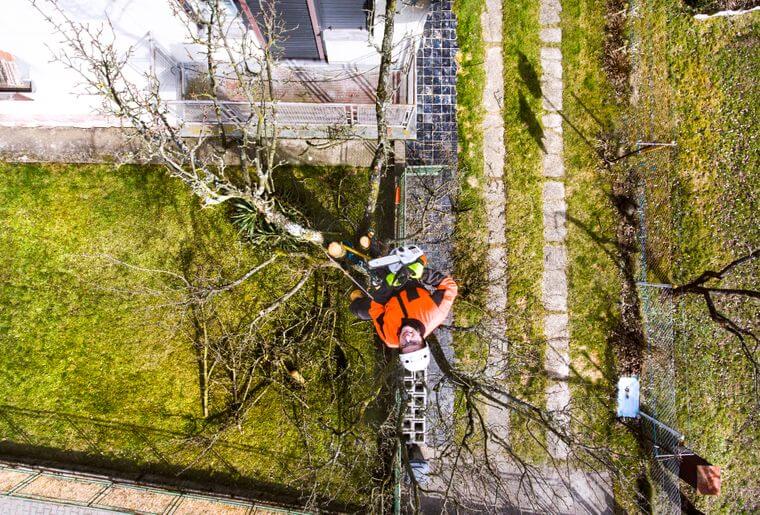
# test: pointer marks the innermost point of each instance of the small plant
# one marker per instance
(258, 231)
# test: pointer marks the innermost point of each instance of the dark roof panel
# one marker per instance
(343, 14)
(298, 41)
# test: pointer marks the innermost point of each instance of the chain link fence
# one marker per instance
(652, 168)
(659, 396)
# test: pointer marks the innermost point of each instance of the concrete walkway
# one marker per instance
(495, 204)
(33, 490)
(554, 283)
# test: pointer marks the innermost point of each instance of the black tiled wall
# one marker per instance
(436, 142)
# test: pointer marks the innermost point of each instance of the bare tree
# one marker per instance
(490, 449)
(283, 345)
(382, 154)
(705, 286)
(477, 466)
(233, 157)
(287, 350)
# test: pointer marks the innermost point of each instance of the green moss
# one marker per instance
(592, 112)
(523, 183)
(98, 367)
(471, 239)
(701, 90)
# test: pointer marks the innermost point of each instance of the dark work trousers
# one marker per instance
(360, 307)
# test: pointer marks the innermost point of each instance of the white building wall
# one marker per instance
(360, 47)
(60, 99)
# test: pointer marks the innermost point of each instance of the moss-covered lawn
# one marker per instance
(97, 366)
(470, 238)
(523, 182)
(699, 87)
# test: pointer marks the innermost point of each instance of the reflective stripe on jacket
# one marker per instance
(413, 303)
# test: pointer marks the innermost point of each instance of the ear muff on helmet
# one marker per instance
(399, 277)
(412, 271)
(416, 270)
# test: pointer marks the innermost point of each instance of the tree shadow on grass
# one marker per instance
(528, 117)
(528, 75)
(326, 196)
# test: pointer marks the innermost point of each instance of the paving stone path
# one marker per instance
(31, 490)
(495, 203)
(554, 287)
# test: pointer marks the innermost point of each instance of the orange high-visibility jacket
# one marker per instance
(414, 303)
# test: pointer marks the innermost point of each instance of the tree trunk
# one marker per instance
(383, 94)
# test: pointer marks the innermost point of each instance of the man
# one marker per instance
(405, 315)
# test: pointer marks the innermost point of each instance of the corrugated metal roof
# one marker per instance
(343, 14)
(298, 41)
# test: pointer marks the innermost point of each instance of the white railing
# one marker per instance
(295, 114)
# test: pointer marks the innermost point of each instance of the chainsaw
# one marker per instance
(398, 258)
(397, 262)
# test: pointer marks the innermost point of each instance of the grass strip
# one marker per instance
(523, 183)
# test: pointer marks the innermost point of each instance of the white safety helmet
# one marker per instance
(417, 360)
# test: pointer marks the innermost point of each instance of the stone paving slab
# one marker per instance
(550, 54)
(199, 506)
(552, 68)
(548, 16)
(554, 281)
(493, 92)
(494, 194)
(552, 90)
(492, 24)
(552, 121)
(553, 165)
(557, 360)
(555, 218)
(555, 326)
(134, 499)
(551, 35)
(16, 506)
(53, 487)
(555, 257)
(29, 490)
(497, 261)
(495, 202)
(9, 479)
(553, 142)
(553, 190)
(493, 120)
(554, 290)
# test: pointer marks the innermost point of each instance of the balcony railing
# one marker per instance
(13, 75)
(301, 118)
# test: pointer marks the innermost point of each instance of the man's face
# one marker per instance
(410, 340)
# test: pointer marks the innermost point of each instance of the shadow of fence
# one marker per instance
(144, 454)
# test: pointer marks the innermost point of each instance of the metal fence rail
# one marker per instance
(68, 488)
(293, 114)
(659, 395)
(81, 441)
(656, 237)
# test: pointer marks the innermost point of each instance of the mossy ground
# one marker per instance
(96, 365)
(699, 87)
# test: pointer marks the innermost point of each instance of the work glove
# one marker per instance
(432, 278)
